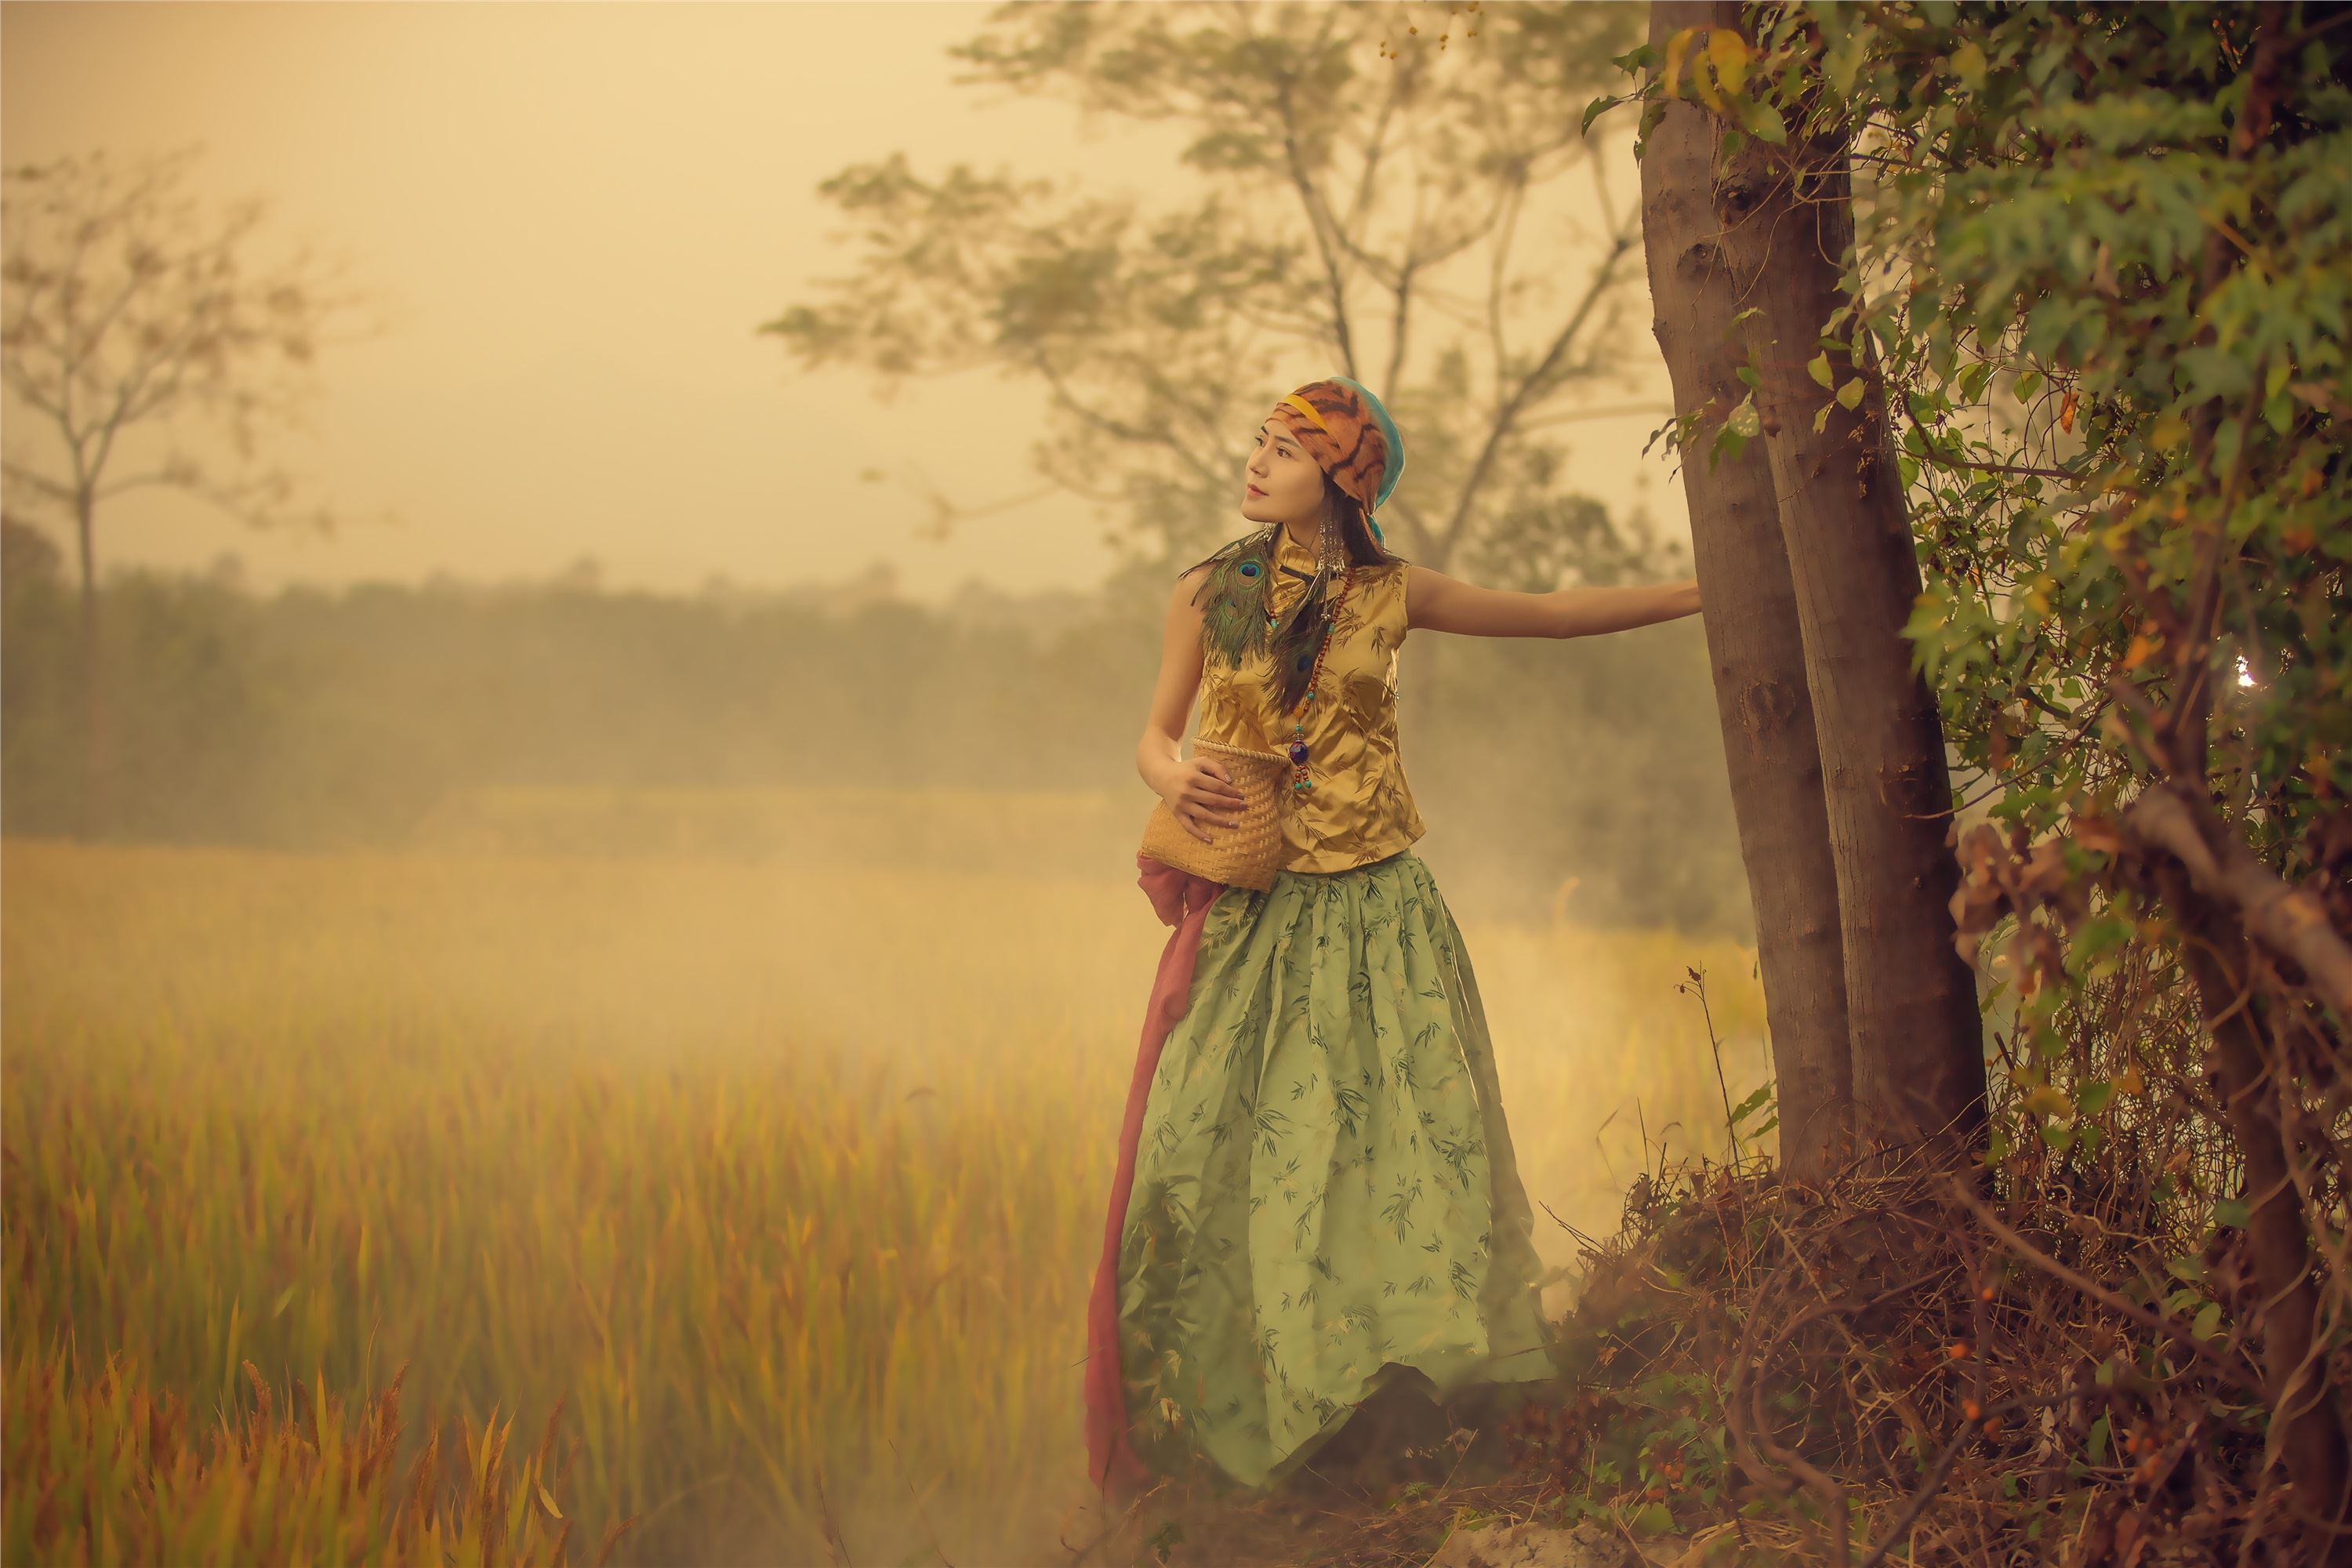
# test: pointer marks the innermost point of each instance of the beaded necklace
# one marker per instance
(1297, 748)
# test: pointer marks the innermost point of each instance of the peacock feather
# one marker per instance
(1232, 598)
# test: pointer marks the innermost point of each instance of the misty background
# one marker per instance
(578, 588)
(599, 489)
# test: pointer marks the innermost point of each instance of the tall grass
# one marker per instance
(784, 1182)
(105, 1470)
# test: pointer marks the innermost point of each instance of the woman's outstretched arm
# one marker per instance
(1441, 603)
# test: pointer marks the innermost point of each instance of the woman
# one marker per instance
(1316, 1197)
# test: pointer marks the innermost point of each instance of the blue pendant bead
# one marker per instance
(1298, 752)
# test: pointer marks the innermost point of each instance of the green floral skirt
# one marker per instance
(1324, 1186)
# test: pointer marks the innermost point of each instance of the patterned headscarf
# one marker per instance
(1350, 436)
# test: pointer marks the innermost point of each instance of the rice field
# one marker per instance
(715, 1192)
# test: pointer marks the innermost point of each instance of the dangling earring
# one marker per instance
(1331, 554)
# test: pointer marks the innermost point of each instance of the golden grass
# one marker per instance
(767, 1170)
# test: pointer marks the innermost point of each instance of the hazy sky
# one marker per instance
(572, 217)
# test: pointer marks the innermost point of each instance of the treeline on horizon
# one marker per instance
(316, 719)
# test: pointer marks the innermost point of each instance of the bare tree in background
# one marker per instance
(1387, 203)
(122, 309)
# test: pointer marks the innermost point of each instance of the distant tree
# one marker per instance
(123, 309)
(1385, 205)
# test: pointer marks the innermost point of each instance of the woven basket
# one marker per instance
(1244, 855)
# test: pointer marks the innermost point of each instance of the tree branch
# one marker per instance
(1526, 391)
(2284, 917)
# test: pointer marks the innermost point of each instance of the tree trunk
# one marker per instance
(1911, 1000)
(1753, 641)
(95, 812)
(2315, 1445)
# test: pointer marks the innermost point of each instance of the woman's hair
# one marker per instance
(1290, 646)
(1355, 533)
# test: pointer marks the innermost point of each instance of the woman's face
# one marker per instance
(1281, 483)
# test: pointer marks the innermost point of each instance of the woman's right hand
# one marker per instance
(1202, 795)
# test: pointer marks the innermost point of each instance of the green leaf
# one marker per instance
(1747, 373)
(1653, 1520)
(1842, 60)
(1744, 418)
(1738, 429)
(2279, 413)
(2230, 1211)
(2226, 442)
(1969, 65)
(1818, 367)
(1763, 121)
(2095, 1446)
(1595, 110)
(2209, 1321)
(1850, 395)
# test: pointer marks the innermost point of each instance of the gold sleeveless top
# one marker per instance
(1358, 806)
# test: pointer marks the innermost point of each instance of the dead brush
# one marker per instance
(1903, 1366)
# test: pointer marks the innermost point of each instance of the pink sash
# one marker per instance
(1181, 900)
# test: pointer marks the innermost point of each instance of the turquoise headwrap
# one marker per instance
(1394, 470)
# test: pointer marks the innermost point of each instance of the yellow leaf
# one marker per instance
(2143, 644)
(1726, 51)
(1677, 47)
(1968, 64)
(2131, 1083)
(548, 1503)
(1702, 84)
(2049, 1101)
